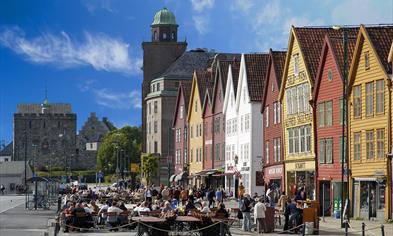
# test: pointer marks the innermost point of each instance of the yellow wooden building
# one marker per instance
(295, 94)
(370, 123)
(200, 81)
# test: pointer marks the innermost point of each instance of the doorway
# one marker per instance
(324, 197)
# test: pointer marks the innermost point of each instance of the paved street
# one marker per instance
(16, 221)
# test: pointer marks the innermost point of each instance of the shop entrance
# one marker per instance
(301, 179)
(324, 197)
(372, 199)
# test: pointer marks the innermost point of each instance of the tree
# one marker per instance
(117, 144)
(149, 165)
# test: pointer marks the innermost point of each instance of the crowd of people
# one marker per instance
(114, 206)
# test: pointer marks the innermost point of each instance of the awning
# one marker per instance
(172, 178)
(206, 172)
(180, 176)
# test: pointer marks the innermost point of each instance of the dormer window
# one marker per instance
(296, 64)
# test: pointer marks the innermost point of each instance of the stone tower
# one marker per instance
(159, 54)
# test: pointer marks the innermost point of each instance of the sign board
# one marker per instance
(134, 167)
(300, 165)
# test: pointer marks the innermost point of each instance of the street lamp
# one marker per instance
(344, 150)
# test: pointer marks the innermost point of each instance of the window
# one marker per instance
(275, 113)
(321, 114)
(244, 94)
(289, 97)
(173, 35)
(267, 151)
(164, 35)
(278, 149)
(267, 116)
(296, 140)
(329, 150)
(185, 133)
(278, 112)
(329, 113)
(357, 102)
(322, 151)
(306, 91)
(308, 138)
(342, 110)
(241, 123)
(330, 75)
(366, 60)
(294, 100)
(158, 87)
(185, 156)
(275, 150)
(300, 99)
(192, 155)
(356, 146)
(217, 154)
(149, 127)
(296, 64)
(369, 99)
(149, 108)
(155, 106)
(341, 149)
(197, 155)
(155, 127)
(380, 143)
(181, 111)
(155, 147)
(155, 35)
(290, 141)
(370, 144)
(380, 96)
(196, 106)
(302, 139)
(272, 87)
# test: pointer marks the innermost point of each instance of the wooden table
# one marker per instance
(149, 220)
(187, 219)
(187, 223)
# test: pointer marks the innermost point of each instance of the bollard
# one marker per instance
(221, 229)
(382, 230)
(363, 229)
(346, 228)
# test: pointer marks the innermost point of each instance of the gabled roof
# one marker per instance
(256, 70)
(336, 45)
(380, 38)
(202, 80)
(310, 41)
(189, 61)
(7, 150)
(277, 60)
(184, 91)
(390, 59)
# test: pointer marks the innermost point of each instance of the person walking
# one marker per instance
(246, 211)
(259, 215)
(2, 188)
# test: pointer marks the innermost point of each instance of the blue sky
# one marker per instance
(88, 53)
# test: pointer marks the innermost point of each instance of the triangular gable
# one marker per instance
(362, 35)
(207, 102)
(390, 57)
(228, 89)
(183, 86)
(193, 88)
(216, 83)
(242, 76)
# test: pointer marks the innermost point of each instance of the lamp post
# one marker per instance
(344, 150)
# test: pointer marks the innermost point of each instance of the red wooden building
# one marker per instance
(180, 131)
(327, 103)
(273, 167)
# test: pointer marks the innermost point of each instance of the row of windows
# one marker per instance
(245, 125)
(164, 35)
(59, 124)
(230, 152)
(374, 142)
(299, 139)
(276, 150)
(155, 107)
(198, 155)
(325, 150)
(231, 127)
(276, 114)
(178, 156)
(245, 151)
(149, 127)
(155, 87)
(374, 99)
(198, 131)
(297, 98)
(150, 148)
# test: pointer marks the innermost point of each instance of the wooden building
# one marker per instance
(370, 123)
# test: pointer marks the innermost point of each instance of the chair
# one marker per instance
(144, 213)
(112, 219)
(154, 213)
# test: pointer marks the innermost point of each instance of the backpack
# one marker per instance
(243, 206)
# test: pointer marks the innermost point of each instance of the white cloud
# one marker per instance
(363, 12)
(86, 86)
(201, 5)
(242, 5)
(116, 100)
(93, 5)
(100, 51)
(269, 14)
(201, 23)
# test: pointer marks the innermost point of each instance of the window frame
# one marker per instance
(369, 96)
(357, 101)
(357, 149)
(380, 96)
(370, 145)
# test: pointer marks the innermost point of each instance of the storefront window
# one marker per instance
(301, 179)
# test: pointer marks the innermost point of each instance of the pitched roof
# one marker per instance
(204, 81)
(224, 66)
(7, 150)
(311, 40)
(381, 37)
(189, 61)
(277, 60)
(235, 75)
(185, 89)
(256, 69)
(337, 46)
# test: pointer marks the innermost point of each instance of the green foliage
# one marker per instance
(61, 173)
(127, 139)
(149, 165)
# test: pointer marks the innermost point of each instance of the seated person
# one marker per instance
(79, 221)
(113, 219)
(221, 211)
(123, 206)
(167, 207)
(155, 205)
(93, 207)
(144, 207)
(205, 208)
(189, 206)
(68, 216)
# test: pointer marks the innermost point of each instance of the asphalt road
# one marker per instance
(16, 221)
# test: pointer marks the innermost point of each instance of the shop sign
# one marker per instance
(300, 165)
(275, 171)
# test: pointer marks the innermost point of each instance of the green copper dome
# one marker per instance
(164, 17)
